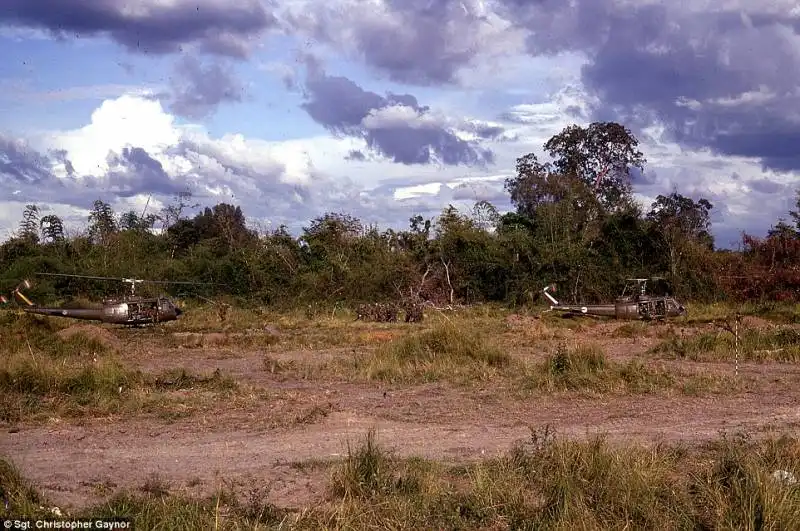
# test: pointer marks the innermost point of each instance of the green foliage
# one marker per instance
(575, 224)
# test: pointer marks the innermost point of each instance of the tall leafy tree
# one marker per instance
(102, 222)
(795, 214)
(682, 223)
(29, 226)
(52, 228)
(602, 155)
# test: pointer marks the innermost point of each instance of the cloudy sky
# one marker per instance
(388, 108)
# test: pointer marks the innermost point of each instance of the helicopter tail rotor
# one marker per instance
(25, 284)
(552, 299)
(16, 294)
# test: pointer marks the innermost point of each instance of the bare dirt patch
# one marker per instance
(98, 333)
(287, 420)
(69, 460)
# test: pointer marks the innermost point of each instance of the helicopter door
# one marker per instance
(645, 310)
(661, 308)
(133, 310)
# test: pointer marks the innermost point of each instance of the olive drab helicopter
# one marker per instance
(633, 304)
(130, 310)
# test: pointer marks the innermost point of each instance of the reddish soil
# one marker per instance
(81, 462)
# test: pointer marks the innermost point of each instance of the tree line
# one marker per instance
(575, 223)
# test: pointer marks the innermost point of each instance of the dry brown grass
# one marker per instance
(543, 483)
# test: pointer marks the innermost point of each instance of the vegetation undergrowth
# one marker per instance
(46, 374)
(442, 352)
(780, 343)
(775, 311)
(460, 355)
(586, 368)
(545, 482)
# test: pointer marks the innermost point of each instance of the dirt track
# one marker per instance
(77, 463)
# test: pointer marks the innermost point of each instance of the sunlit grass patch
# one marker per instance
(444, 352)
(778, 312)
(773, 344)
(631, 330)
(33, 387)
(586, 368)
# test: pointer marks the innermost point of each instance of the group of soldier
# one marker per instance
(387, 312)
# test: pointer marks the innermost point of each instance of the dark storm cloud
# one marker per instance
(19, 165)
(147, 27)
(766, 186)
(198, 90)
(723, 78)
(639, 177)
(395, 125)
(415, 41)
(134, 171)
(27, 173)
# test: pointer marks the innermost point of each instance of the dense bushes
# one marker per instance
(575, 224)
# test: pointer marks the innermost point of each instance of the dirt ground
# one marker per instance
(80, 462)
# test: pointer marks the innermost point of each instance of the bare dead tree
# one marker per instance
(447, 276)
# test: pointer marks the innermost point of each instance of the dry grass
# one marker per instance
(39, 387)
(774, 344)
(542, 483)
(442, 352)
(448, 353)
(48, 373)
(778, 312)
(586, 369)
(45, 374)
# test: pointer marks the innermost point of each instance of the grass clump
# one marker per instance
(180, 379)
(35, 387)
(548, 483)
(760, 345)
(22, 331)
(586, 368)
(44, 372)
(544, 482)
(19, 498)
(750, 485)
(39, 385)
(631, 330)
(442, 352)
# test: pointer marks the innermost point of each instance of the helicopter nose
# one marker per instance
(178, 311)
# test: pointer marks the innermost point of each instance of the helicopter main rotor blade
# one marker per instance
(133, 280)
(179, 282)
(78, 276)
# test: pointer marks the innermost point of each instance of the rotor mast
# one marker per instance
(132, 282)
